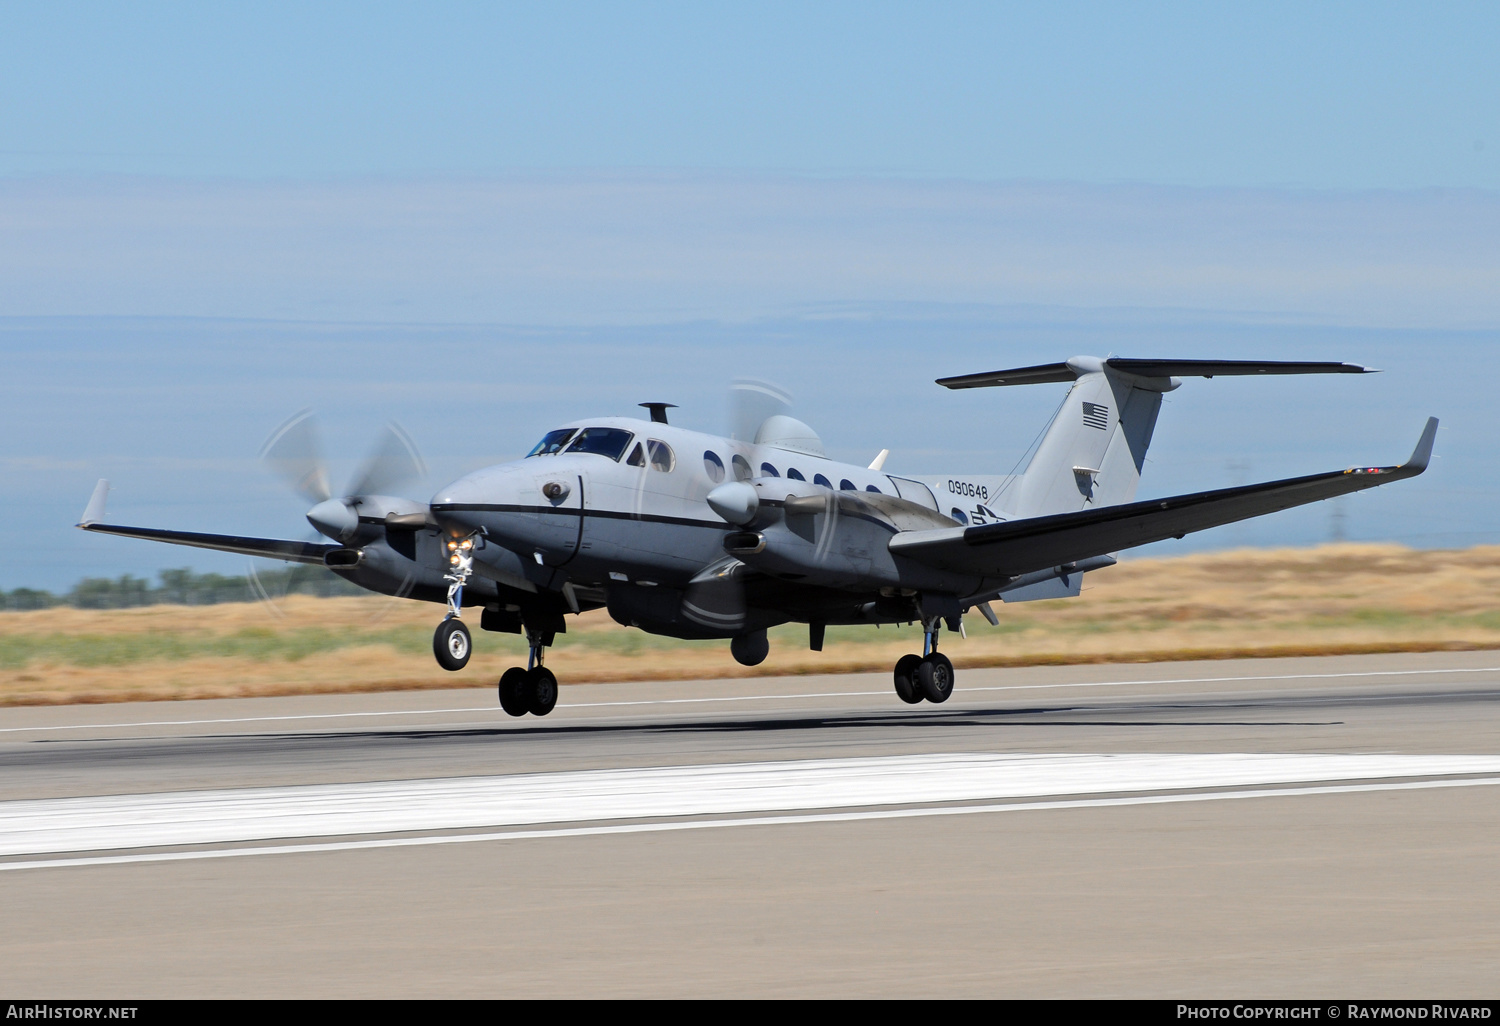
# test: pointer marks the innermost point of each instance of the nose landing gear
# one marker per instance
(927, 676)
(534, 688)
(451, 643)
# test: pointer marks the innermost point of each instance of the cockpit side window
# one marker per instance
(637, 457)
(662, 457)
(602, 441)
(553, 442)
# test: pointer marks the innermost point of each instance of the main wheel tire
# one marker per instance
(750, 649)
(541, 692)
(906, 679)
(452, 645)
(935, 675)
(515, 687)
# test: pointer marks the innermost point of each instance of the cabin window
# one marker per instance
(637, 457)
(960, 516)
(662, 457)
(768, 471)
(742, 471)
(872, 488)
(793, 474)
(553, 442)
(713, 466)
(847, 485)
(820, 479)
(602, 441)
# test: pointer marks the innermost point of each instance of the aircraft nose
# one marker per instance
(462, 501)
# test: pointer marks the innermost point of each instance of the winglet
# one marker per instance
(1423, 452)
(94, 511)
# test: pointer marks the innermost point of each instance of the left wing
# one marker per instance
(1023, 546)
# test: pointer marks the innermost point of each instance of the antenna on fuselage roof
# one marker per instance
(659, 411)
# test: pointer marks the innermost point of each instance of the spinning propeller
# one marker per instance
(751, 404)
(293, 453)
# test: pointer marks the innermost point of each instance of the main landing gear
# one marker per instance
(533, 689)
(927, 676)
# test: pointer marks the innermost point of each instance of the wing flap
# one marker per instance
(1025, 546)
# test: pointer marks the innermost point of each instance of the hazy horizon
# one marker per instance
(483, 219)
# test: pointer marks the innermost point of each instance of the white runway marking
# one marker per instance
(747, 821)
(217, 817)
(711, 699)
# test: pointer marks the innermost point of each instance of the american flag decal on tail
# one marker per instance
(1096, 416)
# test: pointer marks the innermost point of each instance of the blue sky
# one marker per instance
(485, 219)
(1327, 95)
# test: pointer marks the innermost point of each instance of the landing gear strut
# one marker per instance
(451, 643)
(534, 688)
(927, 676)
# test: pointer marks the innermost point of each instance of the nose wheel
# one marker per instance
(451, 644)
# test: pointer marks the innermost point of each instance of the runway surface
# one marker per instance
(1293, 827)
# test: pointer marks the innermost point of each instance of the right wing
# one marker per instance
(1038, 543)
(271, 548)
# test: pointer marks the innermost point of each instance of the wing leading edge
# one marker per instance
(1023, 546)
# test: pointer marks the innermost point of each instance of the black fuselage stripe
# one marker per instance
(610, 514)
(603, 514)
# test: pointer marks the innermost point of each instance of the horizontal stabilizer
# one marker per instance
(271, 548)
(1026, 546)
(1070, 370)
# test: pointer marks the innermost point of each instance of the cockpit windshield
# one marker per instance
(602, 441)
(553, 443)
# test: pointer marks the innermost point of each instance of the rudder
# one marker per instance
(1094, 449)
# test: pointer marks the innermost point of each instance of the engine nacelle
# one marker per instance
(804, 532)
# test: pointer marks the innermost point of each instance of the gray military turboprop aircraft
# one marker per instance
(698, 536)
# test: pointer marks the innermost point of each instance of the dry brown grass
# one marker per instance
(1335, 599)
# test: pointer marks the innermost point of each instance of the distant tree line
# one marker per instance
(183, 588)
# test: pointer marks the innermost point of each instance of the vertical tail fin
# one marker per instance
(1092, 452)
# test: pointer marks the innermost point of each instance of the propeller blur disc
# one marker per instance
(393, 464)
(292, 452)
